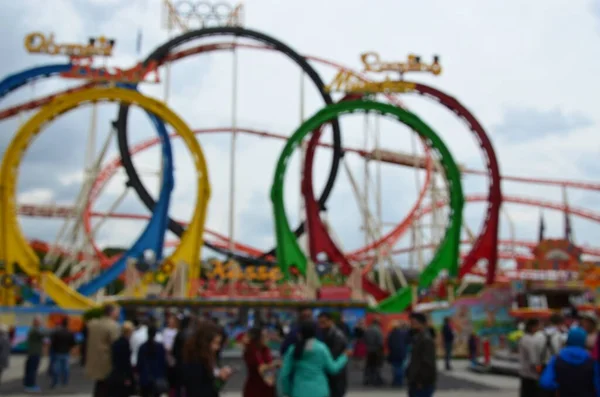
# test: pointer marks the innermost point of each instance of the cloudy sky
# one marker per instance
(527, 70)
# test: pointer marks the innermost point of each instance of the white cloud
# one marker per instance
(36, 196)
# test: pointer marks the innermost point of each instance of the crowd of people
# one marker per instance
(560, 359)
(183, 358)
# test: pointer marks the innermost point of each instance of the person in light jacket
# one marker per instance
(529, 359)
(306, 365)
(102, 333)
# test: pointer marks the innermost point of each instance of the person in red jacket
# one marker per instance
(260, 364)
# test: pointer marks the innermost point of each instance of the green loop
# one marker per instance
(289, 254)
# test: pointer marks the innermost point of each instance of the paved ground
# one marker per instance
(457, 383)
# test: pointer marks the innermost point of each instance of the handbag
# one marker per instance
(267, 374)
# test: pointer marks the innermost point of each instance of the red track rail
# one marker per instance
(59, 212)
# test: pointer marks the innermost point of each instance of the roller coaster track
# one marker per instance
(64, 211)
(33, 104)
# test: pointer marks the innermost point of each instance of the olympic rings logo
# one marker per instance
(205, 13)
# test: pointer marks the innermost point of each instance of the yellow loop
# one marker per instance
(14, 246)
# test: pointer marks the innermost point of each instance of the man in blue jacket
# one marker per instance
(573, 372)
(304, 314)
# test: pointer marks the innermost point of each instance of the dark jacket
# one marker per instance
(62, 341)
(121, 360)
(447, 333)
(178, 344)
(397, 344)
(199, 381)
(422, 369)
(374, 339)
(289, 341)
(336, 341)
(345, 329)
(151, 363)
(573, 373)
(35, 341)
(121, 377)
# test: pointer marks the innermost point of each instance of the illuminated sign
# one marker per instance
(349, 83)
(218, 270)
(372, 63)
(135, 75)
(38, 43)
(542, 275)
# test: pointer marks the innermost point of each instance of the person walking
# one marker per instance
(448, 336)
(337, 343)
(62, 341)
(186, 329)
(83, 345)
(374, 344)
(102, 333)
(201, 376)
(573, 372)
(259, 365)
(122, 381)
(549, 341)
(35, 347)
(589, 323)
(152, 366)
(306, 365)
(169, 334)
(529, 359)
(421, 373)
(397, 345)
(140, 336)
(360, 347)
(224, 338)
(5, 348)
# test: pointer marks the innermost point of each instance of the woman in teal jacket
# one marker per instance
(306, 365)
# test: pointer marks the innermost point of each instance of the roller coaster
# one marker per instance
(74, 275)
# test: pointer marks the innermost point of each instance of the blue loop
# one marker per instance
(154, 234)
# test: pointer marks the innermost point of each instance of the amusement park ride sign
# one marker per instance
(81, 56)
(554, 260)
(348, 82)
(230, 270)
(38, 43)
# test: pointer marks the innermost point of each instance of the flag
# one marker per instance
(542, 227)
(138, 45)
